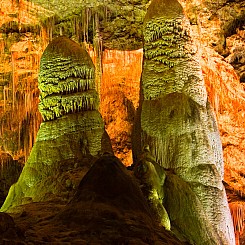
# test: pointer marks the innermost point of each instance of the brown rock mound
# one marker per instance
(109, 208)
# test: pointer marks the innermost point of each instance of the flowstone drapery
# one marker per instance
(72, 134)
(177, 123)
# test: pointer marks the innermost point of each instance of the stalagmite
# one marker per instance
(177, 123)
(70, 118)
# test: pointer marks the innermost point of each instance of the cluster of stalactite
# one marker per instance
(20, 119)
(26, 29)
(238, 215)
(20, 55)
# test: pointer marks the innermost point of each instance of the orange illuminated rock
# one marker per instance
(119, 98)
(212, 22)
(227, 97)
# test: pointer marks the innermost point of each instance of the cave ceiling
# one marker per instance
(118, 23)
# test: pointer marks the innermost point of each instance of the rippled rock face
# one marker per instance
(66, 81)
(179, 126)
(72, 134)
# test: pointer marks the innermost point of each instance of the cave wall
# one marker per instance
(20, 54)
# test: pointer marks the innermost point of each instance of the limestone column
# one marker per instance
(178, 125)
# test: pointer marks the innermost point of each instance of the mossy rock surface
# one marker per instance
(70, 143)
(66, 80)
(120, 22)
(72, 133)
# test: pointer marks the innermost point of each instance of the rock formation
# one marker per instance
(9, 232)
(26, 27)
(72, 133)
(228, 99)
(119, 98)
(112, 197)
(180, 128)
(236, 47)
(107, 208)
(20, 50)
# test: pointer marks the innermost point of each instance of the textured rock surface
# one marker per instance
(108, 208)
(116, 23)
(111, 192)
(20, 51)
(66, 80)
(120, 18)
(185, 210)
(151, 178)
(227, 97)
(216, 20)
(220, 26)
(178, 124)
(236, 46)
(72, 140)
(119, 98)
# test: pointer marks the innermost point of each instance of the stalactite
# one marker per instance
(238, 215)
(47, 30)
(119, 89)
(19, 80)
(98, 53)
